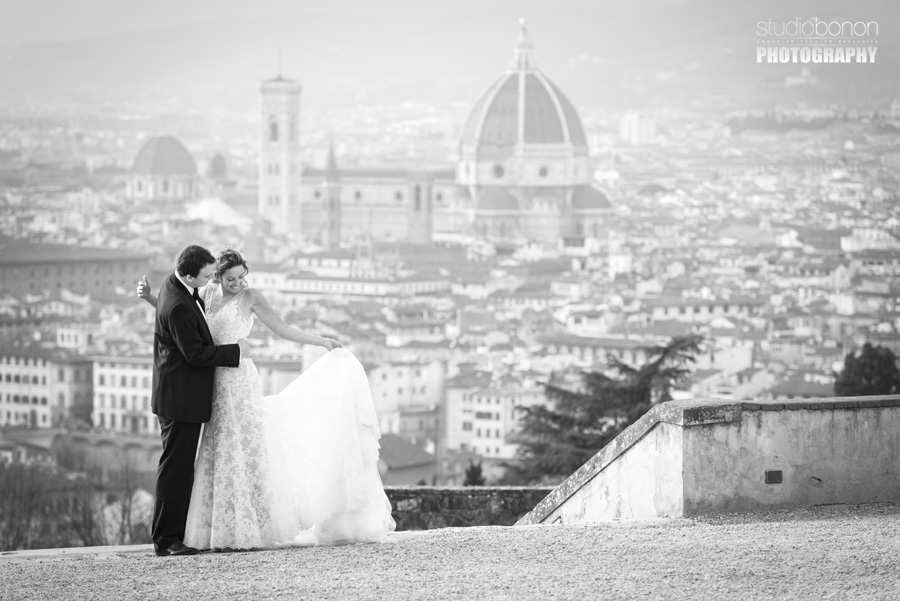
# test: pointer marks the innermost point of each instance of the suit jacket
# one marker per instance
(184, 357)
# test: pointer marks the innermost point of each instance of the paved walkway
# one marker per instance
(833, 552)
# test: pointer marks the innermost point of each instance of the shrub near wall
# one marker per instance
(429, 507)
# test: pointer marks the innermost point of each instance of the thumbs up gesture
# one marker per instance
(143, 288)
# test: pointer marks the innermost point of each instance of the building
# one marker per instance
(407, 397)
(122, 387)
(30, 268)
(523, 159)
(637, 129)
(44, 387)
(480, 419)
(280, 172)
(523, 173)
(163, 169)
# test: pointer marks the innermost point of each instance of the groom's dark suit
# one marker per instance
(184, 362)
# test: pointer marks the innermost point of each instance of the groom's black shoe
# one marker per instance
(177, 548)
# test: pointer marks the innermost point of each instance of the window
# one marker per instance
(467, 426)
(273, 130)
(101, 380)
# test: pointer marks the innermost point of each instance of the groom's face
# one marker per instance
(202, 278)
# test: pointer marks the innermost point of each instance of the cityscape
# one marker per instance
(469, 246)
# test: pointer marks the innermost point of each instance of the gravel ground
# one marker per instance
(832, 552)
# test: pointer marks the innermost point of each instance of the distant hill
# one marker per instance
(613, 53)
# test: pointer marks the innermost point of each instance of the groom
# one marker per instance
(184, 361)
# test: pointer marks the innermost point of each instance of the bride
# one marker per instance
(296, 468)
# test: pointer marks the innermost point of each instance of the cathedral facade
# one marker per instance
(523, 173)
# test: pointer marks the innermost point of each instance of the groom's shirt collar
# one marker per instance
(178, 276)
(190, 290)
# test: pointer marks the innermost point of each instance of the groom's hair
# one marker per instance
(192, 259)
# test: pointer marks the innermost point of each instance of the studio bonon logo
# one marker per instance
(815, 40)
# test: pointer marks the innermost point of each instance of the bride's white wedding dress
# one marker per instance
(297, 468)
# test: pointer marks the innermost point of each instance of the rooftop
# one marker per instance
(20, 252)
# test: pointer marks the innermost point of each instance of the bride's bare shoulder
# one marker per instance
(253, 295)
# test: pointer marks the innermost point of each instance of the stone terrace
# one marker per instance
(830, 552)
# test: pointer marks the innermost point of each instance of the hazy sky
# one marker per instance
(24, 21)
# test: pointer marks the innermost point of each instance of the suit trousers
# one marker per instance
(174, 480)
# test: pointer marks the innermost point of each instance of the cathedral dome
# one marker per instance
(523, 132)
(164, 156)
(523, 107)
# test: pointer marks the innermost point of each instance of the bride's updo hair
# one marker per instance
(227, 259)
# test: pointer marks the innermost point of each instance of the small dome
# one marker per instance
(497, 199)
(218, 168)
(588, 198)
(164, 156)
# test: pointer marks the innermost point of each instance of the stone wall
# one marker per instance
(428, 507)
(685, 458)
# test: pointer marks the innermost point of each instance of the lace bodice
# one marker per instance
(227, 323)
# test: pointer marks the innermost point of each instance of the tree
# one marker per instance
(22, 491)
(474, 475)
(873, 372)
(557, 438)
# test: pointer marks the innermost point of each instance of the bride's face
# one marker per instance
(233, 279)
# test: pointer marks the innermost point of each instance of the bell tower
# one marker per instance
(279, 155)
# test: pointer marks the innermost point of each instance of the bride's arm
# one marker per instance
(143, 291)
(261, 308)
